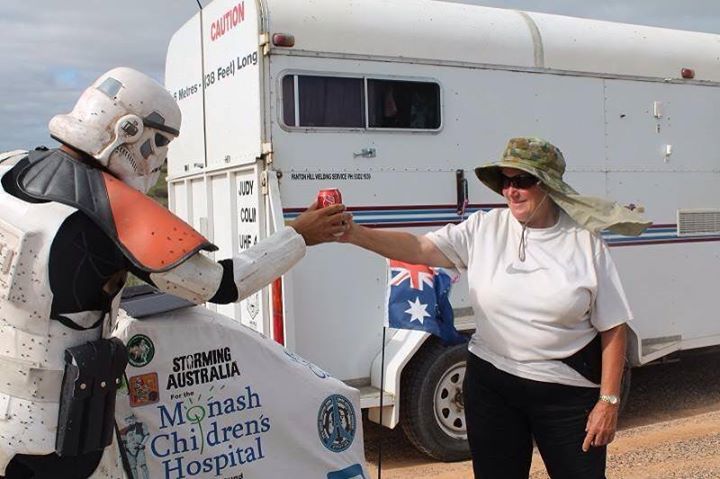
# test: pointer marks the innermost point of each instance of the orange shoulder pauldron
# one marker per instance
(153, 237)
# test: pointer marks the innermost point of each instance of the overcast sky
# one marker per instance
(51, 50)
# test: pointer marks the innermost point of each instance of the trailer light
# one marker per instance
(283, 40)
(687, 73)
(278, 326)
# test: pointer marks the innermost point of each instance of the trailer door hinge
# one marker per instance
(264, 42)
(267, 153)
(266, 150)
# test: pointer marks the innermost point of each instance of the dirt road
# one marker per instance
(670, 430)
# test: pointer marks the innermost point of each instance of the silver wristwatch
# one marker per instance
(610, 399)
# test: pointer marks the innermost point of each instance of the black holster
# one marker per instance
(93, 373)
(588, 361)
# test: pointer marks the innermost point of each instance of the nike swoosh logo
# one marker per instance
(511, 269)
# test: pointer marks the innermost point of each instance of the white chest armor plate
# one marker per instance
(31, 345)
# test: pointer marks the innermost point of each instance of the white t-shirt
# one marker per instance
(531, 313)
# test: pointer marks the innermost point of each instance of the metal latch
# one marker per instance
(264, 182)
(461, 185)
(366, 153)
(658, 109)
(198, 166)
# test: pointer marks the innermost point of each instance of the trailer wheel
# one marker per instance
(431, 405)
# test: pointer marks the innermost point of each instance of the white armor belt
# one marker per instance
(23, 380)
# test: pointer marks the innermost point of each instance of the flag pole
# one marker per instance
(382, 393)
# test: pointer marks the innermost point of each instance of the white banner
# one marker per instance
(207, 397)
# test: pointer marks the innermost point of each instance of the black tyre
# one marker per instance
(432, 413)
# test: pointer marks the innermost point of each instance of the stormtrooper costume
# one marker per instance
(70, 231)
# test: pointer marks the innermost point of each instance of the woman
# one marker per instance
(547, 357)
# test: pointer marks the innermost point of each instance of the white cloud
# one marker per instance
(51, 50)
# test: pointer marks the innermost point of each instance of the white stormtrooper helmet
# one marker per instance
(125, 120)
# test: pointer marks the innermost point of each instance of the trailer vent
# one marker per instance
(698, 222)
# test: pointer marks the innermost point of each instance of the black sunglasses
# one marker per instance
(521, 182)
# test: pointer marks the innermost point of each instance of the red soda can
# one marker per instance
(328, 197)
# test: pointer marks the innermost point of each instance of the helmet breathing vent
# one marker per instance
(110, 87)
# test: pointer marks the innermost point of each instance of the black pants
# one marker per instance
(52, 466)
(504, 413)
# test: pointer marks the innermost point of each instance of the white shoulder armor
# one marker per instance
(12, 157)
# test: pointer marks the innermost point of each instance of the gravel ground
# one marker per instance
(670, 430)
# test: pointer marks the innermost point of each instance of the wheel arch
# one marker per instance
(633, 348)
(400, 348)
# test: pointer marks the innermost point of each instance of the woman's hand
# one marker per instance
(602, 421)
(351, 232)
(601, 425)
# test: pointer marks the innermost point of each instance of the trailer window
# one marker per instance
(288, 87)
(403, 104)
(342, 102)
(324, 102)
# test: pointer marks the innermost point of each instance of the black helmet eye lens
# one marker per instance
(161, 140)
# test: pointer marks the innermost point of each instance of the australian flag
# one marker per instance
(418, 298)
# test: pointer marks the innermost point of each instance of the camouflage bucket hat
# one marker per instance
(532, 155)
(545, 161)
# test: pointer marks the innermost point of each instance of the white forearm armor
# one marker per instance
(199, 278)
(196, 280)
(270, 258)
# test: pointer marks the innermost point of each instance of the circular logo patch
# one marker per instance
(337, 423)
(141, 350)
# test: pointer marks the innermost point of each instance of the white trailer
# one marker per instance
(395, 102)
